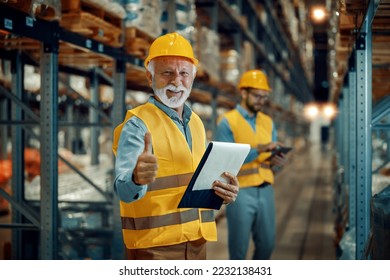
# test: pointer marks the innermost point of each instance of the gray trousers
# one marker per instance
(252, 215)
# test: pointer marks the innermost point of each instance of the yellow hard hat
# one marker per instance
(254, 79)
(171, 44)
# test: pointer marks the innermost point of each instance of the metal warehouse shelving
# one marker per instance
(45, 218)
(38, 221)
(364, 111)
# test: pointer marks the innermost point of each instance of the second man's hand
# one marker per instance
(264, 148)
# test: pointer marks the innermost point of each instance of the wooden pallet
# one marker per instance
(19, 43)
(78, 6)
(78, 57)
(92, 21)
(79, 17)
(137, 42)
(69, 54)
(93, 27)
(136, 75)
(3, 33)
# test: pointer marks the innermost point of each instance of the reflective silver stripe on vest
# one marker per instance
(166, 220)
(248, 172)
(265, 165)
(253, 170)
(170, 182)
(207, 216)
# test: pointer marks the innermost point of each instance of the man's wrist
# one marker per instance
(133, 179)
(260, 149)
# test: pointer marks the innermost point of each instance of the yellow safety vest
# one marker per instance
(258, 171)
(155, 220)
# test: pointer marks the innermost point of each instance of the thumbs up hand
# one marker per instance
(145, 170)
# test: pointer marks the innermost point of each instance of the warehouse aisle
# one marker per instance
(304, 201)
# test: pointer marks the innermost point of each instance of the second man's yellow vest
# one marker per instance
(258, 171)
(155, 220)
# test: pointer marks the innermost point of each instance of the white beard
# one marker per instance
(174, 101)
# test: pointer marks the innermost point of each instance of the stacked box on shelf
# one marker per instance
(230, 66)
(307, 57)
(288, 11)
(230, 71)
(142, 25)
(185, 14)
(206, 48)
(143, 15)
(237, 13)
(306, 45)
(100, 20)
(278, 91)
(5, 184)
(5, 71)
(285, 101)
(48, 9)
(248, 56)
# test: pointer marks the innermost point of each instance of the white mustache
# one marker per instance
(175, 89)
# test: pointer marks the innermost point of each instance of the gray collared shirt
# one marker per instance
(131, 145)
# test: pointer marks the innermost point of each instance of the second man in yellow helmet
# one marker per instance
(253, 213)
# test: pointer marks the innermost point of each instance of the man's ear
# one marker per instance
(243, 93)
(149, 77)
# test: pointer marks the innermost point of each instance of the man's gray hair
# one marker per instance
(150, 68)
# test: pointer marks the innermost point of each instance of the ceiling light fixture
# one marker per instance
(318, 14)
(311, 111)
(325, 111)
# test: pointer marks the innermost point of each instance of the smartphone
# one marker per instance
(281, 150)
